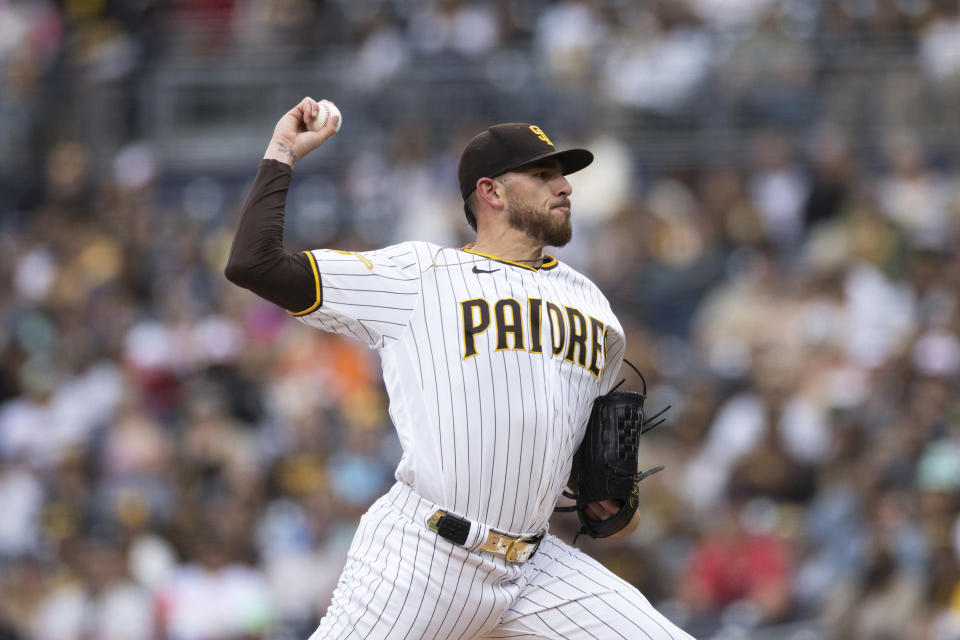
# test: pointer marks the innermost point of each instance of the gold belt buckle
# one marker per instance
(530, 546)
(513, 549)
(515, 553)
(435, 520)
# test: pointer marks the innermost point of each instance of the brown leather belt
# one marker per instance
(457, 530)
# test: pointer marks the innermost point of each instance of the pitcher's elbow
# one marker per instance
(237, 273)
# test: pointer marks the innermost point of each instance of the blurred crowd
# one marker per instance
(181, 460)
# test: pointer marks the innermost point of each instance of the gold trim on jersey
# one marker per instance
(548, 261)
(319, 288)
(356, 254)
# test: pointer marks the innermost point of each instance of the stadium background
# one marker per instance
(774, 215)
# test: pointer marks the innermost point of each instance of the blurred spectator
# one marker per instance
(883, 596)
(565, 38)
(98, 600)
(216, 595)
(21, 494)
(657, 62)
(913, 195)
(830, 178)
(763, 442)
(31, 35)
(939, 52)
(465, 28)
(766, 68)
(739, 570)
(778, 188)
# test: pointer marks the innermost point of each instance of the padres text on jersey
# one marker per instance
(573, 335)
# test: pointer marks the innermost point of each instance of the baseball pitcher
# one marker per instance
(493, 357)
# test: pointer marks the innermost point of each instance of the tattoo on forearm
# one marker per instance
(287, 150)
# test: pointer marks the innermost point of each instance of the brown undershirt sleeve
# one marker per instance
(258, 260)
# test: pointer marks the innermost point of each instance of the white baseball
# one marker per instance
(327, 111)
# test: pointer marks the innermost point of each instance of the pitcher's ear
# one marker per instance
(491, 191)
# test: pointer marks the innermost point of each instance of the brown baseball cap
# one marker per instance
(505, 147)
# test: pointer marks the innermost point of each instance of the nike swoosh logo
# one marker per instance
(476, 270)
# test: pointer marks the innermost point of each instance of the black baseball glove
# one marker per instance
(606, 465)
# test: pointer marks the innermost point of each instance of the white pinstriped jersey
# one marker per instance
(491, 368)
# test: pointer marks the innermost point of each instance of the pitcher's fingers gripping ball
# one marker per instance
(326, 111)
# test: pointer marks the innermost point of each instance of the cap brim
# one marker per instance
(572, 160)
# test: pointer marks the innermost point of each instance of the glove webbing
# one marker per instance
(644, 428)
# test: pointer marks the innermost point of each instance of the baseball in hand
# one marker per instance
(327, 111)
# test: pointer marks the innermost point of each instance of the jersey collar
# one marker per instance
(549, 262)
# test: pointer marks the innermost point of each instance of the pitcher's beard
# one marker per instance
(547, 228)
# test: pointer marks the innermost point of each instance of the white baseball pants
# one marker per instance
(404, 582)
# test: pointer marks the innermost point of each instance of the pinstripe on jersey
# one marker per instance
(489, 418)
